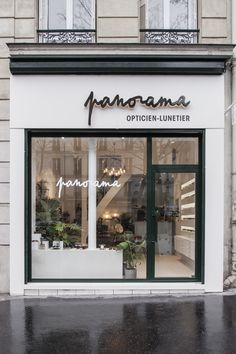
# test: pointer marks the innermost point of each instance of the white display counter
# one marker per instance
(77, 264)
(185, 246)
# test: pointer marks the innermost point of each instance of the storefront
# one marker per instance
(117, 181)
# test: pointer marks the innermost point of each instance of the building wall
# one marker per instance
(17, 24)
(233, 117)
(214, 21)
(227, 176)
(117, 22)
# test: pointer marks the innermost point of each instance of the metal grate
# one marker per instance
(167, 36)
(67, 36)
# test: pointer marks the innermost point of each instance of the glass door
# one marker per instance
(174, 223)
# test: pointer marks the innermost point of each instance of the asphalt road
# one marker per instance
(169, 325)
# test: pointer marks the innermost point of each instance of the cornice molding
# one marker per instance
(118, 59)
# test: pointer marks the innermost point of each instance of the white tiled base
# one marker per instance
(67, 292)
(165, 264)
(123, 292)
(31, 292)
(48, 292)
(116, 292)
(120, 289)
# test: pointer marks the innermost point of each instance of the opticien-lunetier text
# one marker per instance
(149, 102)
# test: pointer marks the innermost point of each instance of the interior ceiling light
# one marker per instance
(114, 166)
(114, 171)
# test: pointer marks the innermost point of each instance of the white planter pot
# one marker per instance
(45, 244)
(57, 244)
(130, 273)
(35, 245)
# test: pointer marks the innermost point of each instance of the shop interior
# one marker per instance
(68, 242)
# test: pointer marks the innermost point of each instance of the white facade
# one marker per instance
(66, 105)
(206, 111)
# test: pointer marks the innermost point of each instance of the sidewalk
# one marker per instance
(137, 325)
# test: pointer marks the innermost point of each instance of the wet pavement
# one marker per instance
(169, 325)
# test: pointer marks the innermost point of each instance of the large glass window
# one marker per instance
(59, 214)
(67, 14)
(57, 14)
(89, 201)
(168, 21)
(175, 201)
(176, 151)
(169, 14)
(121, 210)
(103, 208)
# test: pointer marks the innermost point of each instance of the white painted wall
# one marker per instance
(214, 212)
(58, 101)
(17, 260)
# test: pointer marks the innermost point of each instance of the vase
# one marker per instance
(130, 273)
(45, 244)
(35, 245)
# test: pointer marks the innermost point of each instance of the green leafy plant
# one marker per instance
(132, 251)
(48, 211)
(68, 233)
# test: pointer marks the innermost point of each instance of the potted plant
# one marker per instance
(132, 253)
(48, 211)
(63, 233)
(47, 214)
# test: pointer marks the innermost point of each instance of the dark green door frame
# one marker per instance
(151, 232)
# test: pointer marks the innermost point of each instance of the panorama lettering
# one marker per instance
(77, 183)
(118, 101)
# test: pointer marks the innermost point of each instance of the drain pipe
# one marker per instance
(231, 279)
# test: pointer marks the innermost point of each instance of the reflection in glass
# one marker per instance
(168, 14)
(89, 208)
(59, 215)
(82, 14)
(121, 212)
(175, 225)
(155, 14)
(57, 14)
(172, 151)
(179, 14)
(88, 200)
(60, 16)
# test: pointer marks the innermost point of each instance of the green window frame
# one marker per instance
(199, 169)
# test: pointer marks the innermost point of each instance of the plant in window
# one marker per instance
(47, 216)
(68, 233)
(48, 212)
(133, 253)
